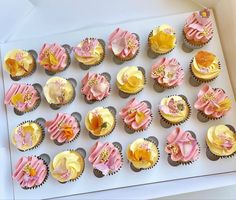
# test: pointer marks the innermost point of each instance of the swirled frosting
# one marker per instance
(182, 146)
(174, 109)
(212, 102)
(221, 140)
(142, 153)
(66, 166)
(95, 87)
(21, 96)
(30, 171)
(198, 27)
(123, 43)
(89, 52)
(130, 80)
(63, 128)
(136, 115)
(105, 157)
(53, 57)
(168, 72)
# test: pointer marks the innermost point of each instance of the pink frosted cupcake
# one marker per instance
(182, 147)
(136, 115)
(95, 87)
(106, 158)
(212, 103)
(64, 128)
(124, 45)
(167, 74)
(54, 58)
(30, 172)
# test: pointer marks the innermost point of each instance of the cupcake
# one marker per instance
(23, 97)
(161, 40)
(106, 159)
(67, 166)
(90, 52)
(212, 103)
(221, 142)
(54, 58)
(142, 154)
(19, 63)
(95, 87)
(100, 122)
(59, 91)
(27, 135)
(167, 73)
(130, 80)
(124, 45)
(182, 147)
(198, 29)
(64, 128)
(30, 172)
(136, 115)
(174, 110)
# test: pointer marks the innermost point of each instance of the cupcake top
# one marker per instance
(63, 128)
(123, 44)
(212, 102)
(130, 80)
(30, 172)
(142, 153)
(21, 96)
(105, 157)
(175, 109)
(53, 57)
(162, 39)
(168, 72)
(27, 135)
(205, 65)
(89, 51)
(136, 115)
(18, 62)
(198, 27)
(95, 87)
(221, 140)
(100, 121)
(58, 91)
(66, 166)
(182, 146)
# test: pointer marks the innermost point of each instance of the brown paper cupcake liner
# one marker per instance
(161, 88)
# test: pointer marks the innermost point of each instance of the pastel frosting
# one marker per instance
(58, 91)
(205, 65)
(100, 121)
(162, 39)
(66, 166)
(142, 153)
(26, 135)
(95, 87)
(123, 43)
(63, 128)
(18, 62)
(53, 57)
(182, 146)
(22, 96)
(167, 72)
(136, 115)
(130, 80)
(30, 171)
(221, 140)
(199, 27)
(89, 52)
(174, 109)
(105, 157)
(212, 102)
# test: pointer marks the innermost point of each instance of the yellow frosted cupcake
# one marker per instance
(67, 166)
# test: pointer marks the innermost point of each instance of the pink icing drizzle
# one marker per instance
(88, 46)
